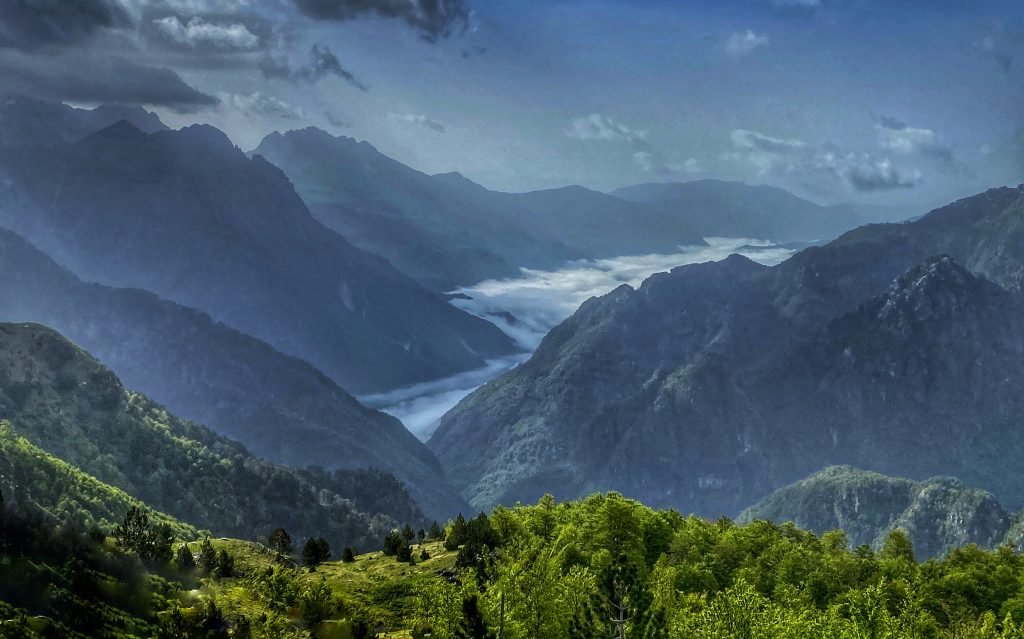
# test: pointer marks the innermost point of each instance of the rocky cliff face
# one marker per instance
(938, 514)
(711, 385)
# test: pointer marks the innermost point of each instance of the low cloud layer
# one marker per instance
(597, 127)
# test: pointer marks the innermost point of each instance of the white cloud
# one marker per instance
(420, 119)
(797, 4)
(259, 104)
(825, 167)
(197, 32)
(744, 43)
(900, 138)
(603, 128)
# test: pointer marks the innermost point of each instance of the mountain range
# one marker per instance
(896, 347)
(186, 215)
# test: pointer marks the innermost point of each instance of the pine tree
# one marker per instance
(185, 560)
(435, 532)
(348, 556)
(315, 552)
(472, 626)
(280, 541)
(207, 559)
(225, 565)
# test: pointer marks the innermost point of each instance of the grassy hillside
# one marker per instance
(65, 492)
(592, 568)
(66, 403)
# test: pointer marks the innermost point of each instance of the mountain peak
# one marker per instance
(118, 133)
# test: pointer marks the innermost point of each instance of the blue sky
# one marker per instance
(885, 101)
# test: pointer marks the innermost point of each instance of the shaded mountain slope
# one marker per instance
(713, 384)
(938, 515)
(281, 408)
(66, 403)
(187, 215)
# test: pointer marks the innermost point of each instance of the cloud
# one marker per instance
(259, 104)
(32, 24)
(81, 76)
(879, 175)
(819, 169)
(597, 127)
(899, 137)
(197, 33)
(746, 139)
(434, 19)
(420, 119)
(742, 44)
(992, 46)
(320, 62)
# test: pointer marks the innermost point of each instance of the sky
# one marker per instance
(871, 101)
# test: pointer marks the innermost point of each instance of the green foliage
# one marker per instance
(316, 551)
(151, 542)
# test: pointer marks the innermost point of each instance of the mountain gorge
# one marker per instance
(709, 386)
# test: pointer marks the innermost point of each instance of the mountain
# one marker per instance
(186, 215)
(64, 492)
(711, 385)
(280, 407)
(938, 515)
(26, 121)
(716, 208)
(66, 403)
(447, 231)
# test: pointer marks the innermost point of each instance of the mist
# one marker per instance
(528, 306)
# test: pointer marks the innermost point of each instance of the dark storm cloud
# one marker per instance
(321, 62)
(33, 24)
(98, 78)
(434, 19)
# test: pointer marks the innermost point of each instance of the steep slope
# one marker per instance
(26, 121)
(713, 384)
(66, 493)
(733, 209)
(445, 230)
(938, 514)
(281, 408)
(187, 215)
(66, 403)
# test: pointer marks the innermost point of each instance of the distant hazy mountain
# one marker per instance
(732, 209)
(28, 121)
(446, 230)
(66, 403)
(281, 408)
(187, 215)
(711, 385)
(938, 515)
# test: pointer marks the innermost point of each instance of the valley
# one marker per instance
(463, 319)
